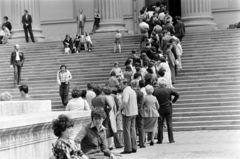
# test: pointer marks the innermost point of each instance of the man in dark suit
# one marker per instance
(16, 61)
(7, 23)
(164, 97)
(27, 25)
(81, 19)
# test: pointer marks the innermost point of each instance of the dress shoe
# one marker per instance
(111, 148)
(151, 143)
(159, 142)
(143, 146)
(125, 152)
(134, 151)
(119, 147)
(171, 142)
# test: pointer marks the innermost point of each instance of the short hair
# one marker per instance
(25, 11)
(107, 90)
(144, 20)
(166, 12)
(141, 11)
(164, 31)
(149, 89)
(23, 88)
(162, 81)
(149, 70)
(125, 81)
(162, 59)
(5, 17)
(171, 40)
(134, 51)
(141, 83)
(5, 96)
(117, 31)
(90, 85)
(119, 90)
(83, 93)
(76, 92)
(128, 68)
(134, 83)
(97, 89)
(116, 63)
(161, 72)
(177, 17)
(113, 73)
(63, 66)
(136, 75)
(98, 112)
(158, 4)
(145, 63)
(60, 124)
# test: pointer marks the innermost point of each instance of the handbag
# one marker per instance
(67, 50)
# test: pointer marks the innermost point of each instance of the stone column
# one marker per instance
(197, 15)
(33, 8)
(111, 16)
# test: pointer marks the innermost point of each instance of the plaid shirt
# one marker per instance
(66, 150)
(63, 76)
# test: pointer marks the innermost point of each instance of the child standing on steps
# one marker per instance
(117, 41)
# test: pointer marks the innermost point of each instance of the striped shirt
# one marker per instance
(63, 77)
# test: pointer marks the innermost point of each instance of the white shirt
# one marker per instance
(89, 96)
(161, 16)
(143, 27)
(17, 56)
(77, 104)
(80, 17)
(144, 91)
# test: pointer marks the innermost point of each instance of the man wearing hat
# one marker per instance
(16, 62)
(164, 97)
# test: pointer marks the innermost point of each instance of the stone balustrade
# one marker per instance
(24, 107)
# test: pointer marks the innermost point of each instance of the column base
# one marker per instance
(18, 35)
(109, 29)
(199, 23)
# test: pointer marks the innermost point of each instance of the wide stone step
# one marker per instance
(209, 127)
(206, 123)
(206, 113)
(206, 104)
(206, 118)
(206, 100)
(206, 108)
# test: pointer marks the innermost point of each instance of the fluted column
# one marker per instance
(33, 8)
(111, 16)
(197, 15)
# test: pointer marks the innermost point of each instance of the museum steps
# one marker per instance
(209, 84)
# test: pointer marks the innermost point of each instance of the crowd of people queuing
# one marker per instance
(135, 102)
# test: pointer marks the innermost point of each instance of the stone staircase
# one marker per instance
(209, 84)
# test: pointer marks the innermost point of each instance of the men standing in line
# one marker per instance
(164, 97)
(129, 109)
(16, 62)
(63, 77)
(27, 25)
(139, 118)
(81, 19)
(7, 23)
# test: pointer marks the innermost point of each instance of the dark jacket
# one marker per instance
(140, 99)
(28, 20)
(8, 25)
(164, 97)
(179, 29)
(13, 58)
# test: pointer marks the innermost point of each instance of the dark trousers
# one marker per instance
(17, 72)
(165, 114)
(116, 141)
(129, 133)
(63, 92)
(139, 127)
(26, 30)
(180, 37)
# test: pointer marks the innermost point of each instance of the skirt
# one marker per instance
(117, 41)
(150, 124)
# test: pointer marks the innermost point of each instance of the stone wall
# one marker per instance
(30, 136)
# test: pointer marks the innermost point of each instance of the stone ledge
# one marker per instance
(28, 136)
(9, 108)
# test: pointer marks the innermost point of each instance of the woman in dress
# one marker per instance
(77, 103)
(97, 17)
(128, 73)
(171, 62)
(65, 148)
(117, 70)
(92, 137)
(150, 113)
(88, 41)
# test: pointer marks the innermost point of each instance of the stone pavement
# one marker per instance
(209, 144)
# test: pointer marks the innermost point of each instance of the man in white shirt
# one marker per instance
(63, 77)
(144, 27)
(90, 94)
(16, 62)
(129, 109)
(81, 19)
